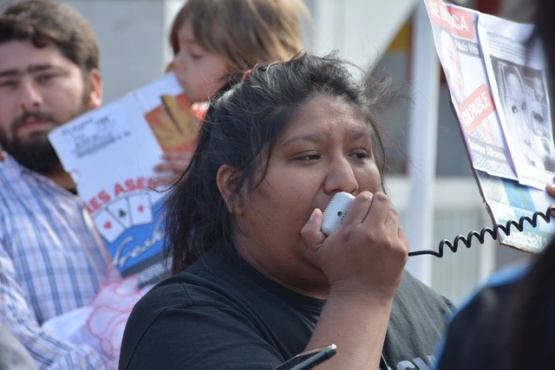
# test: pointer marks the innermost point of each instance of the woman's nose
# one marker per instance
(341, 177)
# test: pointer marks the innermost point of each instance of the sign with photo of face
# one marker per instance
(498, 91)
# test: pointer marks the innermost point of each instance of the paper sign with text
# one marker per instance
(111, 153)
(498, 91)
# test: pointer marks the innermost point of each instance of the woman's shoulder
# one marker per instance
(207, 282)
(413, 292)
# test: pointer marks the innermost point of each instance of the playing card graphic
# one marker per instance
(120, 210)
(108, 226)
(127, 213)
(140, 209)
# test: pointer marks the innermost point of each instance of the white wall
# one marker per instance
(361, 30)
(133, 40)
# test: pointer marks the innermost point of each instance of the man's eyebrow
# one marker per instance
(31, 69)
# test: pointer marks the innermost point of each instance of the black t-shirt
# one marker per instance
(220, 313)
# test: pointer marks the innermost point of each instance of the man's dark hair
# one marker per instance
(43, 22)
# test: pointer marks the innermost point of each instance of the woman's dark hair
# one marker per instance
(240, 129)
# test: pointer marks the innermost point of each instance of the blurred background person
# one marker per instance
(208, 45)
(53, 262)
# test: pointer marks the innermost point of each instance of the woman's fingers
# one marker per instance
(311, 231)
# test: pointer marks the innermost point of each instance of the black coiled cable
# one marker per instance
(487, 230)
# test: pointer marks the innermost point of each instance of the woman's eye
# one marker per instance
(361, 155)
(308, 157)
(195, 56)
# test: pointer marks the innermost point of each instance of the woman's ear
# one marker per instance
(226, 179)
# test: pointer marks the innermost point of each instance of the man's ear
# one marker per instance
(226, 179)
(95, 89)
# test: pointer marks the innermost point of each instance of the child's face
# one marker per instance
(199, 71)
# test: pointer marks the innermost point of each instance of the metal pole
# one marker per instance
(422, 143)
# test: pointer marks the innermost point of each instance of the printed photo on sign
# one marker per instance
(524, 114)
(461, 57)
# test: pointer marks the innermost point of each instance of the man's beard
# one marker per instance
(36, 152)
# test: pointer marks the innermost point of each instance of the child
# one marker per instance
(212, 39)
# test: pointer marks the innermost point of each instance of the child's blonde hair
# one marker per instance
(246, 32)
